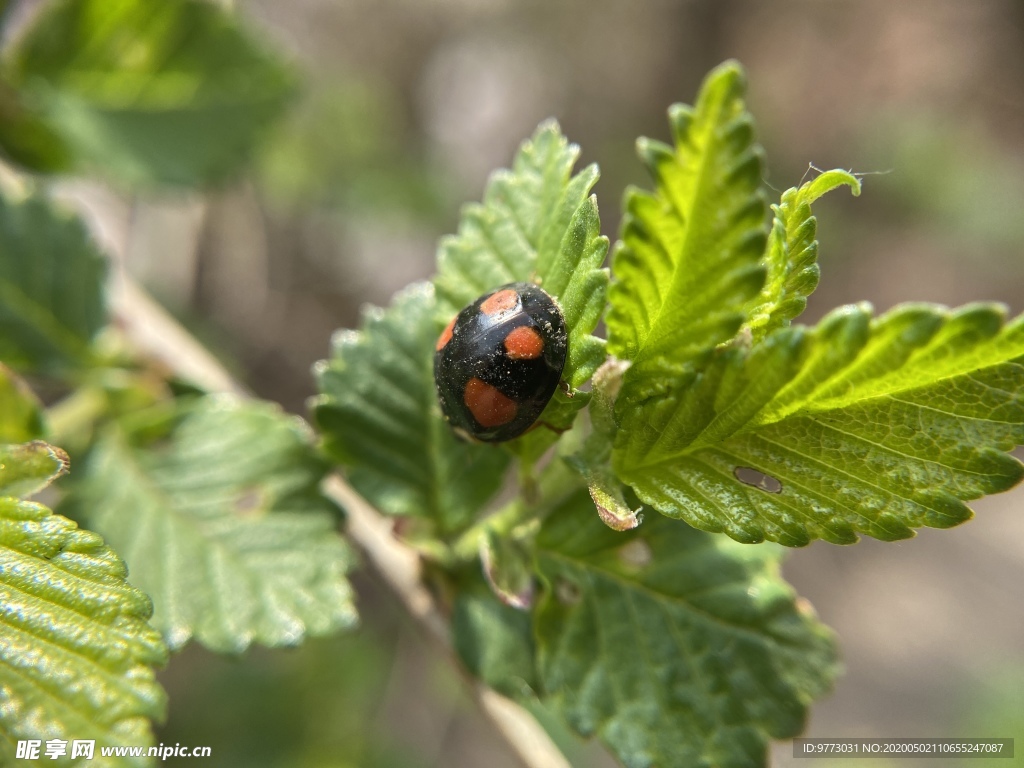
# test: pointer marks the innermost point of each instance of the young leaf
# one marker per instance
(225, 527)
(21, 414)
(593, 459)
(51, 288)
(675, 647)
(173, 92)
(856, 426)
(688, 258)
(76, 653)
(380, 418)
(791, 258)
(536, 223)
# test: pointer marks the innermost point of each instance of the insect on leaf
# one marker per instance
(380, 418)
(536, 224)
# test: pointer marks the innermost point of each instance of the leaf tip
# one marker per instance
(624, 520)
(548, 125)
(826, 181)
(730, 74)
(654, 155)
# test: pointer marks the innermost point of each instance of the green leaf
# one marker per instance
(51, 288)
(675, 647)
(27, 469)
(379, 415)
(536, 224)
(21, 413)
(576, 279)
(688, 260)
(76, 653)
(26, 139)
(791, 258)
(494, 641)
(856, 426)
(172, 92)
(224, 526)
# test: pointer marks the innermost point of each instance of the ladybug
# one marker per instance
(499, 361)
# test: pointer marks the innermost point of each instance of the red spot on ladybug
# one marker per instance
(500, 301)
(524, 343)
(446, 335)
(489, 406)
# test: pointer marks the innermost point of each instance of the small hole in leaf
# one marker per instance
(759, 480)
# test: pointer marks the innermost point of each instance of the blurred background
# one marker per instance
(405, 106)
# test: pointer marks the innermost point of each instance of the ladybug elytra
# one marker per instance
(499, 361)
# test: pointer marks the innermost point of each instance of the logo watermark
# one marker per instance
(897, 748)
(37, 749)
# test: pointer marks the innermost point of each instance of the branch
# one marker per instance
(156, 333)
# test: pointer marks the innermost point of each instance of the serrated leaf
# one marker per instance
(224, 526)
(27, 469)
(677, 648)
(21, 413)
(579, 284)
(76, 653)
(791, 258)
(173, 92)
(51, 288)
(688, 259)
(858, 426)
(536, 224)
(379, 415)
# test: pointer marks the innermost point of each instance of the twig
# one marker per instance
(156, 333)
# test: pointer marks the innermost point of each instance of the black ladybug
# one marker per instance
(499, 361)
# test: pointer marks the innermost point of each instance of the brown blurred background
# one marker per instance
(408, 104)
